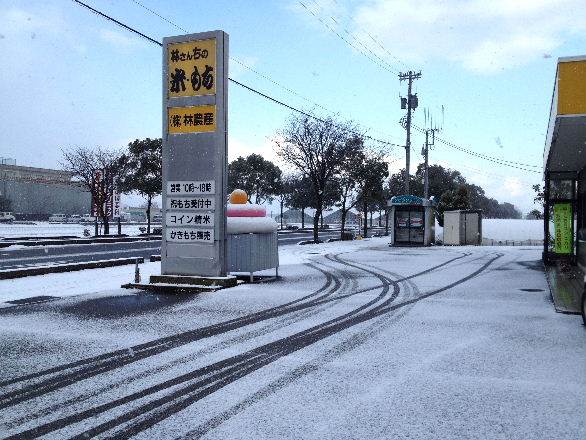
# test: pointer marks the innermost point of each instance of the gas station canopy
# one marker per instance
(565, 148)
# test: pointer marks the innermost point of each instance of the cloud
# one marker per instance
(237, 148)
(482, 36)
(19, 26)
(17, 21)
(242, 65)
(118, 39)
(514, 187)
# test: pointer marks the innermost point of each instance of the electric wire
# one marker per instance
(334, 31)
(160, 16)
(498, 161)
(351, 35)
(240, 62)
(504, 162)
(375, 39)
(358, 41)
(236, 60)
(251, 89)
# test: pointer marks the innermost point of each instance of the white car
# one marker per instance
(75, 218)
(6, 217)
(86, 218)
(58, 218)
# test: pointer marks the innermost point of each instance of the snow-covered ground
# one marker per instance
(358, 340)
(507, 229)
(496, 229)
(46, 229)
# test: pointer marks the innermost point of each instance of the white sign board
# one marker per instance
(195, 154)
(190, 235)
(191, 203)
(115, 204)
(188, 187)
(189, 219)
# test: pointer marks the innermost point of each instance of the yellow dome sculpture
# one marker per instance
(238, 197)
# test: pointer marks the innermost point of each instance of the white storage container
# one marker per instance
(463, 227)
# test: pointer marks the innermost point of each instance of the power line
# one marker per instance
(375, 40)
(160, 16)
(262, 75)
(482, 173)
(498, 161)
(484, 156)
(95, 11)
(251, 89)
(240, 62)
(236, 60)
(504, 162)
(334, 31)
(351, 35)
(309, 115)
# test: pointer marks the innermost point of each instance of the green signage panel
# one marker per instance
(562, 220)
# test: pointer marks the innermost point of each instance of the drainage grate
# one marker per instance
(33, 300)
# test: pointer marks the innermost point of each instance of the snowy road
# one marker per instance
(19, 256)
(358, 340)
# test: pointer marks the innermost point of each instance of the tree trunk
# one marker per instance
(281, 213)
(343, 218)
(148, 213)
(371, 219)
(106, 224)
(386, 221)
(380, 218)
(365, 209)
(316, 225)
(302, 218)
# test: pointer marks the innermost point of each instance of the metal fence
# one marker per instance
(494, 242)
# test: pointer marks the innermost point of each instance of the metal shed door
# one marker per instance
(471, 221)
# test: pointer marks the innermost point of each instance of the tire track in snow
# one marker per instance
(118, 358)
(305, 335)
(337, 285)
(222, 373)
(90, 367)
(305, 369)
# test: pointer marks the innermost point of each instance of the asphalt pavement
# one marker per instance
(355, 340)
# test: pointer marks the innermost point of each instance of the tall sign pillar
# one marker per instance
(195, 97)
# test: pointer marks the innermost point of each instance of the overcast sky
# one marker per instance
(71, 78)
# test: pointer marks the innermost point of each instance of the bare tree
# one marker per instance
(84, 163)
(140, 170)
(317, 149)
(348, 178)
(370, 177)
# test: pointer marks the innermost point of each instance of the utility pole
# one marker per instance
(425, 153)
(410, 103)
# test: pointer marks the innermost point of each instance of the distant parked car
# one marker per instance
(58, 218)
(75, 218)
(6, 217)
(291, 227)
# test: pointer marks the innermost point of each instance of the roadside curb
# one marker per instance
(69, 267)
